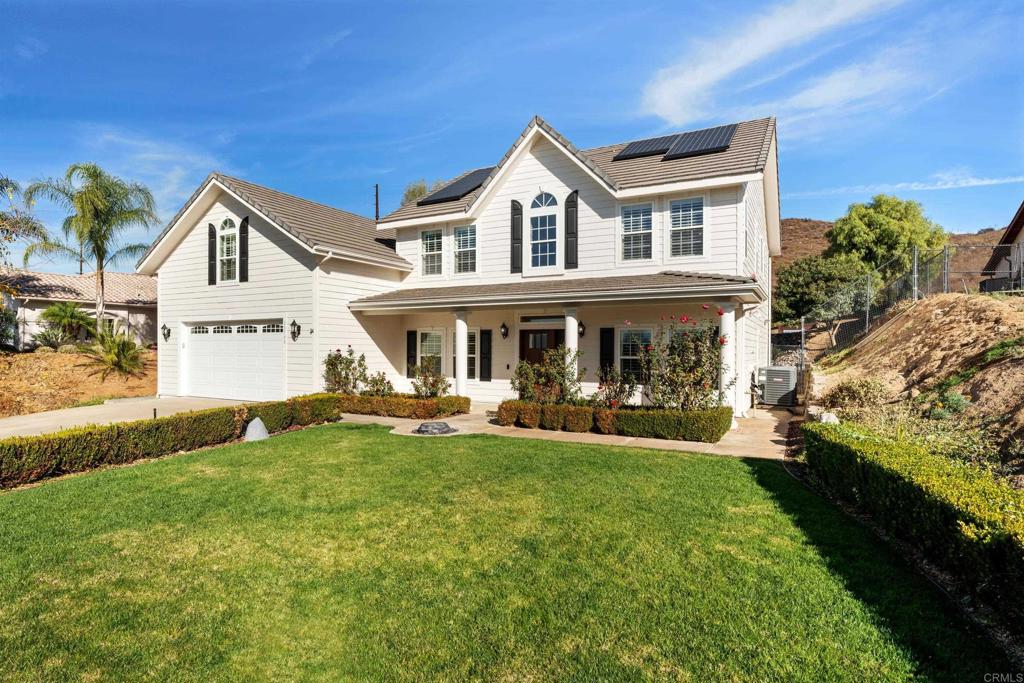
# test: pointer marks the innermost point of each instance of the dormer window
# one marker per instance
(543, 231)
(227, 251)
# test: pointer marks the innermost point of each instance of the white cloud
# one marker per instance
(30, 48)
(953, 179)
(322, 47)
(686, 91)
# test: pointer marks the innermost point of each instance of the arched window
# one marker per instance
(543, 231)
(227, 251)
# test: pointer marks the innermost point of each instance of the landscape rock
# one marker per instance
(256, 431)
(828, 418)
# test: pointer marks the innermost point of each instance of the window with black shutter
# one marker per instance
(485, 355)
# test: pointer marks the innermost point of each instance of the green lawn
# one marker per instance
(343, 552)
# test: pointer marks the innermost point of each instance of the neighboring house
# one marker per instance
(1006, 266)
(130, 301)
(554, 245)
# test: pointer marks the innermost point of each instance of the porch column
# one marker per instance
(461, 352)
(572, 331)
(727, 329)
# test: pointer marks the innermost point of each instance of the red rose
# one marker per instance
(704, 306)
(720, 311)
(721, 340)
(683, 318)
(614, 403)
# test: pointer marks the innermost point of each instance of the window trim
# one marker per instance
(531, 213)
(618, 341)
(221, 233)
(456, 251)
(419, 348)
(620, 248)
(423, 253)
(705, 197)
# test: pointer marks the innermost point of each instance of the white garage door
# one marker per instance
(239, 360)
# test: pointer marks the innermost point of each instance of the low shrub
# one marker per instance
(529, 415)
(552, 416)
(276, 415)
(378, 384)
(115, 353)
(604, 420)
(708, 425)
(579, 418)
(508, 413)
(856, 393)
(45, 349)
(428, 382)
(962, 517)
(403, 406)
(27, 459)
(68, 348)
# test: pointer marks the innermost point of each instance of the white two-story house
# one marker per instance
(554, 245)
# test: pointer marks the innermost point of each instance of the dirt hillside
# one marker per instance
(33, 382)
(942, 336)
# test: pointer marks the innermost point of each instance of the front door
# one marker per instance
(533, 343)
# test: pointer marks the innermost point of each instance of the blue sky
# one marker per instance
(921, 99)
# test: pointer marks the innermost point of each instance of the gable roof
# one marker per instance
(119, 288)
(747, 153)
(1010, 236)
(319, 227)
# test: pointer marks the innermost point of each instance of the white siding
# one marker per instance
(280, 286)
(756, 262)
(545, 168)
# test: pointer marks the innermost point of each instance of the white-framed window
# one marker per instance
(472, 354)
(273, 328)
(222, 329)
(465, 249)
(200, 329)
(686, 227)
(632, 342)
(431, 245)
(637, 227)
(247, 329)
(543, 231)
(227, 251)
(430, 349)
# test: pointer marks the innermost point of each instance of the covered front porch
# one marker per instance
(477, 343)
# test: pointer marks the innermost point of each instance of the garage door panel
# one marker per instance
(236, 360)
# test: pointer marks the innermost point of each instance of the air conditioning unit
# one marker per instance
(777, 384)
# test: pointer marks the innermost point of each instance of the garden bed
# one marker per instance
(707, 426)
(402, 405)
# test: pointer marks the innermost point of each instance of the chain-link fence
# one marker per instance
(855, 310)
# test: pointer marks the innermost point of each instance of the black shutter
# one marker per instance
(485, 356)
(571, 229)
(517, 237)
(607, 348)
(410, 352)
(211, 255)
(243, 250)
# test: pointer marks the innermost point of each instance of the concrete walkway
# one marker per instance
(114, 410)
(762, 436)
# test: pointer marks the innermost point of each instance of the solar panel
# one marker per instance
(701, 142)
(458, 189)
(646, 148)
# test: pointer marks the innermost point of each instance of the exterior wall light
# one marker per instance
(296, 330)
(165, 331)
(503, 330)
(582, 329)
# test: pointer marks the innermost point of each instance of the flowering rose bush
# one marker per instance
(344, 373)
(682, 365)
(614, 388)
(556, 379)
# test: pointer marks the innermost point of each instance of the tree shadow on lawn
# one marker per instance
(919, 617)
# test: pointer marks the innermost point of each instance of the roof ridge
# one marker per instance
(293, 196)
(678, 132)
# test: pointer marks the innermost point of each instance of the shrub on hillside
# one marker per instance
(8, 325)
(68, 348)
(856, 393)
(115, 353)
(52, 338)
(960, 516)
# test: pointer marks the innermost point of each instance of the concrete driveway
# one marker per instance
(114, 410)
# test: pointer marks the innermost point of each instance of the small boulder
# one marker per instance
(256, 431)
(828, 418)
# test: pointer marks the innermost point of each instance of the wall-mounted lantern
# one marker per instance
(582, 329)
(165, 331)
(503, 330)
(296, 330)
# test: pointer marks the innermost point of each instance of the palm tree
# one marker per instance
(16, 220)
(100, 208)
(67, 316)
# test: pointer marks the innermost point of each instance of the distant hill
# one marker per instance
(806, 237)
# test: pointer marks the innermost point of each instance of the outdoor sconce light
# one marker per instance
(503, 330)
(165, 331)
(582, 329)
(296, 330)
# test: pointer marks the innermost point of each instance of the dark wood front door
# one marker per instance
(533, 343)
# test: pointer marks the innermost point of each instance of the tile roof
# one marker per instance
(669, 280)
(318, 226)
(747, 153)
(120, 288)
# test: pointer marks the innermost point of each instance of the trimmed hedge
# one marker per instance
(27, 459)
(403, 406)
(693, 425)
(959, 515)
